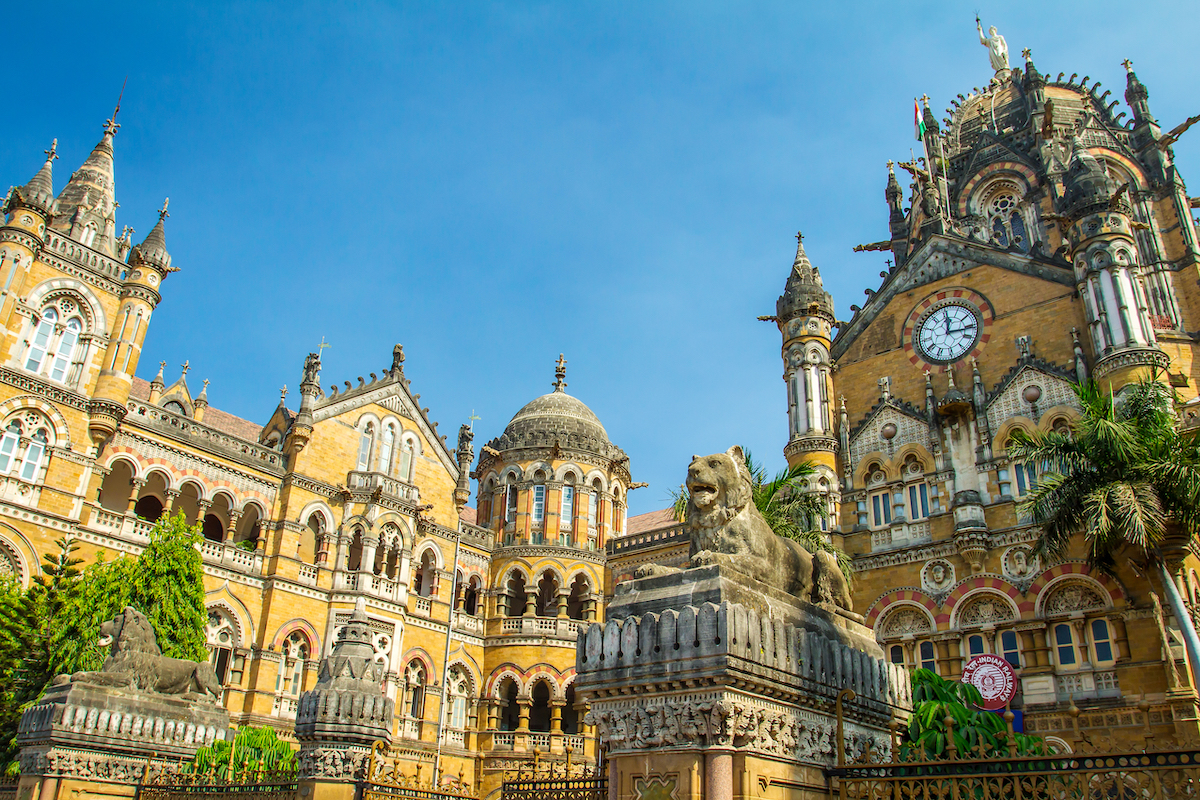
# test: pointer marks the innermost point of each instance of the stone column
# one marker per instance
(234, 516)
(718, 775)
(367, 564)
(1081, 636)
(1120, 637)
(562, 604)
(172, 498)
(135, 488)
(493, 715)
(556, 707)
(589, 613)
(524, 705)
(530, 602)
(502, 604)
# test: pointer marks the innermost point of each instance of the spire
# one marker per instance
(153, 250)
(158, 384)
(1137, 96)
(88, 199)
(560, 374)
(931, 123)
(38, 194)
(803, 289)
(894, 194)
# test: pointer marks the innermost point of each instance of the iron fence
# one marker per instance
(256, 785)
(592, 788)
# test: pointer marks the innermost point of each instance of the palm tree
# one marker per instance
(1127, 480)
(790, 508)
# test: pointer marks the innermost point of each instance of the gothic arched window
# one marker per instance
(459, 687)
(43, 332)
(364, 447)
(1006, 226)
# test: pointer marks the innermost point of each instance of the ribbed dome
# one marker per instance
(557, 420)
(551, 414)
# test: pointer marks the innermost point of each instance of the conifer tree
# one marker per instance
(168, 587)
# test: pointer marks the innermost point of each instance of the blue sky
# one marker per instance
(492, 184)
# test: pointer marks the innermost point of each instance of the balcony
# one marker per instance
(370, 481)
(423, 606)
(233, 556)
(466, 622)
(901, 534)
(410, 729)
(454, 738)
(308, 574)
(551, 627)
(503, 741)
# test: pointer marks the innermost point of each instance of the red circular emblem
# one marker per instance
(993, 677)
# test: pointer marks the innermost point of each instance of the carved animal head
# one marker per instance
(129, 631)
(718, 485)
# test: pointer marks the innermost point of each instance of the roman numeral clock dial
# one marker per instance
(948, 332)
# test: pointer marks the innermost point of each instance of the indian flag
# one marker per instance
(918, 121)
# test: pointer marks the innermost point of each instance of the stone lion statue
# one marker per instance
(135, 661)
(726, 528)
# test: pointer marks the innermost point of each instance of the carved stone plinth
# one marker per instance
(706, 683)
(81, 734)
(341, 717)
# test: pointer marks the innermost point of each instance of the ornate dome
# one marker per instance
(557, 419)
(554, 413)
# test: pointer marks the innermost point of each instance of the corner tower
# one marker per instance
(552, 490)
(804, 314)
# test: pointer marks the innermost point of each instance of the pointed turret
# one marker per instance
(804, 292)
(157, 385)
(1137, 96)
(152, 252)
(38, 194)
(87, 205)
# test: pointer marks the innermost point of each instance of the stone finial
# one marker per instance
(885, 388)
(560, 374)
(185, 366)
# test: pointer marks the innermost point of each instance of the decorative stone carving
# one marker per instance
(339, 719)
(1074, 596)
(726, 720)
(1020, 565)
(135, 661)
(905, 621)
(937, 576)
(984, 609)
(335, 763)
(726, 528)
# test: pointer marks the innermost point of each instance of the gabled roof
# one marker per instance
(213, 417)
(939, 257)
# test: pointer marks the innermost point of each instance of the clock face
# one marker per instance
(948, 333)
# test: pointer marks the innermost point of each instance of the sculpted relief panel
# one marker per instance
(725, 720)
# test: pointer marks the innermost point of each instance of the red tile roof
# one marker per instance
(213, 417)
(468, 515)
(663, 518)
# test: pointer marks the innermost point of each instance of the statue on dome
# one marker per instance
(997, 47)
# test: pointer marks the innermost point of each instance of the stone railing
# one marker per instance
(641, 541)
(554, 627)
(308, 574)
(230, 555)
(466, 622)
(901, 534)
(422, 606)
(137, 531)
(388, 485)
(539, 742)
(410, 728)
(503, 741)
(1079, 685)
(454, 738)
(62, 247)
(187, 430)
(574, 741)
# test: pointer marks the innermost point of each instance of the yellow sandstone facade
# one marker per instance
(353, 493)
